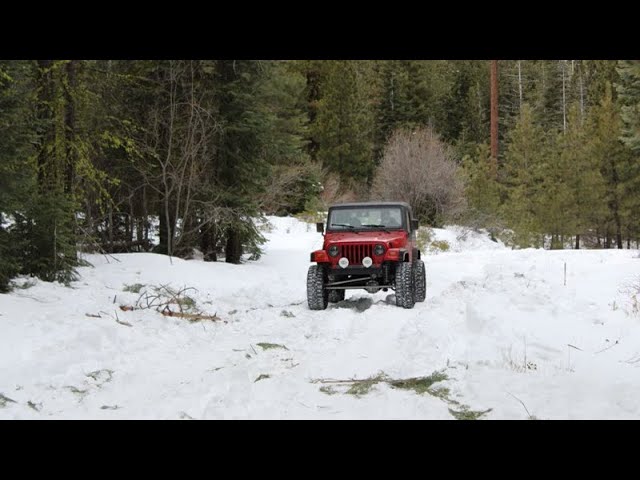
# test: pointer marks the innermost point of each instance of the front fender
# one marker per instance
(320, 256)
(397, 255)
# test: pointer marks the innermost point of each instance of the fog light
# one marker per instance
(367, 262)
(343, 262)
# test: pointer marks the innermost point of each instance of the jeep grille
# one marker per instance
(355, 253)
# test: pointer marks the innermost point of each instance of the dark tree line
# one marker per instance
(104, 155)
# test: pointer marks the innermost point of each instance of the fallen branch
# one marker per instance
(161, 300)
(354, 380)
(96, 244)
(122, 323)
(190, 316)
(525, 407)
(634, 359)
(92, 315)
(610, 346)
(4, 400)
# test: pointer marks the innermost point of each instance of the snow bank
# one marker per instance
(498, 323)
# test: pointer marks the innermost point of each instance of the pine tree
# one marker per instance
(557, 210)
(409, 96)
(482, 190)
(605, 130)
(344, 126)
(630, 197)
(526, 153)
(49, 223)
(292, 179)
(314, 73)
(628, 89)
(14, 172)
(600, 76)
(462, 111)
(582, 175)
(547, 95)
(240, 163)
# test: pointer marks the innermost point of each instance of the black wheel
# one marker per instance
(420, 280)
(336, 296)
(405, 294)
(317, 295)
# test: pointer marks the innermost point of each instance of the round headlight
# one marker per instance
(367, 262)
(379, 249)
(343, 262)
(333, 250)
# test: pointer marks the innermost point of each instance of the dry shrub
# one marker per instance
(418, 168)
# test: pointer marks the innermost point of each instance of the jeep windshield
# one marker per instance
(369, 218)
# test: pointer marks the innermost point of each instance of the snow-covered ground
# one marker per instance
(500, 324)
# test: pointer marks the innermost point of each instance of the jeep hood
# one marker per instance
(366, 237)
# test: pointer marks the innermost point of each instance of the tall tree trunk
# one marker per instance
(233, 250)
(581, 94)
(70, 125)
(313, 95)
(136, 213)
(140, 229)
(145, 212)
(71, 155)
(130, 221)
(166, 229)
(494, 117)
(577, 242)
(615, 204)
(564, 96)
(110, 229)
(520, 83)
(45, 114)
(208, 241)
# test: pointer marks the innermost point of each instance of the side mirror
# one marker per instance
(414, 224)
(320, 227)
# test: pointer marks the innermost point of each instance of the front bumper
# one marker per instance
(357, 270)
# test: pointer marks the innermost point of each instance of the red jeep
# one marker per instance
(370, 246)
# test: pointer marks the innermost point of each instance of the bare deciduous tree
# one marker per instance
(418, 168)
(178, 148)
(288, 187)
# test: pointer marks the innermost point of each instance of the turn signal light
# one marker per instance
(393, 254)
(320, 256)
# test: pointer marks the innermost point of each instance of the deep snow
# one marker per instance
(487, 308)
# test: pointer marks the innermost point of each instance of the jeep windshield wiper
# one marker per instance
(373, 225)
(343, 225)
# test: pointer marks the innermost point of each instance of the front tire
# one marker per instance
(405, 293)
(420, 280)
(317, 295)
